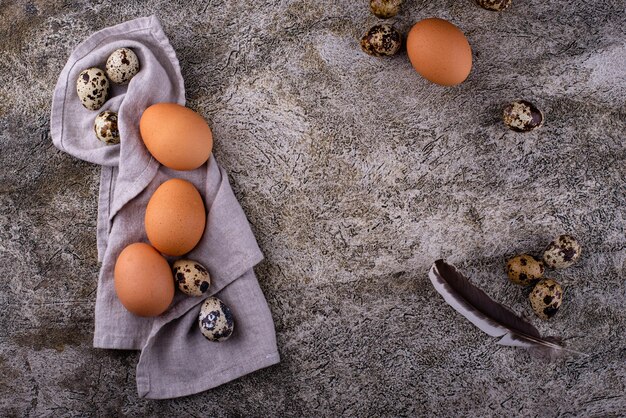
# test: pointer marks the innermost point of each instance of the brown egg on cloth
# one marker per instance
(495, 5)
(176, 136)
(524, 269)
(439, 51)
(143, 280)
(92, 87)
(385, 9)
(216, 320)
(192, 277)
(175, 217)
(522, 116)
(546, 298)
(105, 126)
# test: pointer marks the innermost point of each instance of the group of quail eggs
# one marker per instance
(92, 87)
(192, 278)
(216, 320)
(385, 40)
(525, 270)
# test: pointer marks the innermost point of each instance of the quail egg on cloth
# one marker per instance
(562, 252)
(105, 126)
(92, 87)
(546, 298)
(122, 65)
(524, 269)
(192, 277)
(216, 320)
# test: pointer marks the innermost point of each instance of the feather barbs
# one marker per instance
(488, 315)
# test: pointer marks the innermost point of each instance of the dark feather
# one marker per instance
(490, 316)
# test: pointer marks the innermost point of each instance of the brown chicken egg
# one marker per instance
(176, 136)
(175, 217)
(439, 51)
(143, 280)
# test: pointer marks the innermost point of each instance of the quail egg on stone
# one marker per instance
(524, 269)
(92, 87)
(522, 116)
(122, 65)
(191, 277)
(216, 320)
(385, 9)
(496, 5)
(105, 126)
(546, 298)
(381, 40)
(562, 252)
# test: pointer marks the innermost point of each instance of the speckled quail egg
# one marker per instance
(546, 298)
(524, 269)
(216, 320)
(105, 126)
(122, 65)
(522, 116)
(381, 40)
(385, 9)
(191, 277)
(562, 252)
(496, 5)
(92, 87)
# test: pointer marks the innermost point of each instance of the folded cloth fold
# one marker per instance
(176, 360)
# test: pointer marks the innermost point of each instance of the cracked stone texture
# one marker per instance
(356, 174)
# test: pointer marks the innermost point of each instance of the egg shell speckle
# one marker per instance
(385, 9)
(191, 277)
(92, 87)
(546, 298)
(122, 65)
(562, 252)
(495, 5)
(522, 116)
(524, 269)
(216, 320)
(105, 127)
(381, 40)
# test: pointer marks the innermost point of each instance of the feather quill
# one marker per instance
(491, 317)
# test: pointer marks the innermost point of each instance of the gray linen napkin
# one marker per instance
(176, 360)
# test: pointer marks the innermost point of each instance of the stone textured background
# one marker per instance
(356, 174)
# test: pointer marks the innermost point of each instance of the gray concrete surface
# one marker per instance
(356, 175)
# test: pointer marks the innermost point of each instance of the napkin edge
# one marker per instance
(224, 376)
